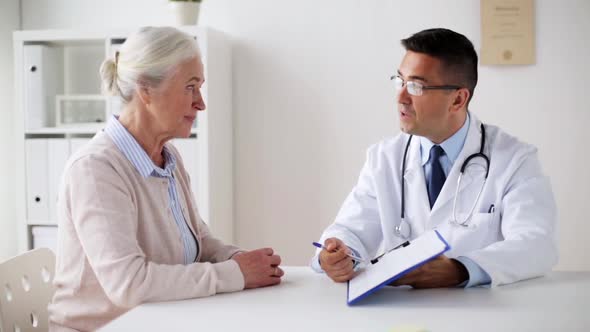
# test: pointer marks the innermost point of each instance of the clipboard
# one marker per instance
(395, 264)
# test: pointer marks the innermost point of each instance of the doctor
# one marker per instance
(481, 188)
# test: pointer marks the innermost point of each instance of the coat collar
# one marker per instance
(414, 174)
(471, 146)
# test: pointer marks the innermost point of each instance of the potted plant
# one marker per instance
(186, 12)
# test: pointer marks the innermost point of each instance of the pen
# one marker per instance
(358, 259)
(376, 259)
(492, 209)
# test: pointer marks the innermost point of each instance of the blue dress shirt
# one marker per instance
(452, 147)
(146, 167)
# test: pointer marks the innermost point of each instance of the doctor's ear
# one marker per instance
(461, 98)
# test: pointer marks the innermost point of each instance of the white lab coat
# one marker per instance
(517, 241)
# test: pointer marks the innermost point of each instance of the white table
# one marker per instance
(306, 301)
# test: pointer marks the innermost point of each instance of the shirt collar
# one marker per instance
(452, 145)
(136, 154)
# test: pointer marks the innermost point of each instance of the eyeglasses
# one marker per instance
(417, 89)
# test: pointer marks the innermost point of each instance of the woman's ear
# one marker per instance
(143, 92)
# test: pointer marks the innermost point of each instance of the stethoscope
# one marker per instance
(454, 221)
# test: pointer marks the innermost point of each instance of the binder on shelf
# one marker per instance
(44, 237)
(396, 263)
(58, 152)
(37, 184)
(43, 79)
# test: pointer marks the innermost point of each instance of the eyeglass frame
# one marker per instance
(424, 87)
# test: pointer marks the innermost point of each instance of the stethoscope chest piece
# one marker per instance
(402, 230)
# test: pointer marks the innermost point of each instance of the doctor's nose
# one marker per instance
(402, 96)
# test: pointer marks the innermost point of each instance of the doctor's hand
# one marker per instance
(260, 267)
(334, 261)
(439, 272)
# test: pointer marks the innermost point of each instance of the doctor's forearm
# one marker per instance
(439, 272)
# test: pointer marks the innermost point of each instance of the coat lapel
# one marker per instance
(417, 206)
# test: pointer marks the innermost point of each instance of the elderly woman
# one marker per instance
(129, 229)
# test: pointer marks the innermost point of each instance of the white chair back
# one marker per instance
(26, 290)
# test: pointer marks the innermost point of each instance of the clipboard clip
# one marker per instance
(376, 259)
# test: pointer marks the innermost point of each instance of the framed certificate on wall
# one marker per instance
(508, 32)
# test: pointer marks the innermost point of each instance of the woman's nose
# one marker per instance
(199, 104)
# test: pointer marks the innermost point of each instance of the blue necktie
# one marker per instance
(437, 175)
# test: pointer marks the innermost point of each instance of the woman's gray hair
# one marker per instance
(146, 58)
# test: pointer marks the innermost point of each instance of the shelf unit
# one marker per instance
(70, 61)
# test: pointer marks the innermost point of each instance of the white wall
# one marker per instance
(311, 92)
(9, 21)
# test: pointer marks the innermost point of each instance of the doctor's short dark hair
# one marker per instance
(455, 51)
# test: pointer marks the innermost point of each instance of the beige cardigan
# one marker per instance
(118, 244)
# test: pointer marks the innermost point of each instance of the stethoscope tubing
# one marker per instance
(480, 154)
